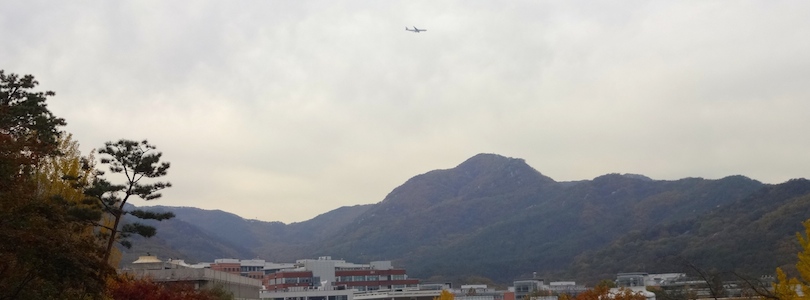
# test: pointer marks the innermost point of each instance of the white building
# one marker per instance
(635, 282)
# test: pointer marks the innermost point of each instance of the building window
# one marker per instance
(522, 288)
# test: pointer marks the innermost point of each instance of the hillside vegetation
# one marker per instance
(498, 218)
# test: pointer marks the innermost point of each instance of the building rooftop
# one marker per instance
(148, 259)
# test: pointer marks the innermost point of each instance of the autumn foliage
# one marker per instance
(602, 292)
(787, 288)
(47, 251)
(445, 295)
(130, 288)
(50, 224)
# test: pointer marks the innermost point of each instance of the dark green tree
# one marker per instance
(45, 252)
(28, 130)
(136, 161)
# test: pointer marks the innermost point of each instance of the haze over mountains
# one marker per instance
(498, 218)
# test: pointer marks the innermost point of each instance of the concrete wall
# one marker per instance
(325, 269)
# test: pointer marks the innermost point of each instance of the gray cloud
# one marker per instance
(285, 110)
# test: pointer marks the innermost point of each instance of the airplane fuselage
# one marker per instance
(417, 30)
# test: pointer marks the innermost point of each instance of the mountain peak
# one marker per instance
(483, 163)
(481, 175)
(489, 159)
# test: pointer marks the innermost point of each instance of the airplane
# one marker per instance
(417, 30)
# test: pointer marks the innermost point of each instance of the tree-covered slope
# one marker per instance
(204, 235)
(499, 218)
(437, 208)
(562, 222)
(751, 236)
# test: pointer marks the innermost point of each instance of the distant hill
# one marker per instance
(499, 218)
(199, 235)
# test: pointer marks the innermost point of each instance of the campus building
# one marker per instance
(480, 292)
(250, 268)
(524, 287)
(177, 272)
(323, 278)
(537, 289)
(326, 272)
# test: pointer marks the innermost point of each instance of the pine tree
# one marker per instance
(45, 251)
(136, 161)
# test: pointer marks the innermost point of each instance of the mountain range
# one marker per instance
(492, 219)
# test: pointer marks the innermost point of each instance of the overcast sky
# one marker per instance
(284, 110)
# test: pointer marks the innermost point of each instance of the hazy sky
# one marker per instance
(283, 110)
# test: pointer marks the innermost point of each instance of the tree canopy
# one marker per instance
(137, 161)
(445, 295)
(58, 215)
(43, 243)
(603, 292)
(787, 288)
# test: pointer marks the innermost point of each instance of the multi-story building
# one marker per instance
(480, 292)
(227, 265)
(536, 289)
(381, 276)
(629, 280)
(565, 287)
(177, 272)
(328, 279)
(251, 268)
(635, 282)
(281, 281)
(526, 287)
(324, 271)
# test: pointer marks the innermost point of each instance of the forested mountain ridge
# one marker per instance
(439, 207)
(750, 236)
(499, 218)
(218, 234)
